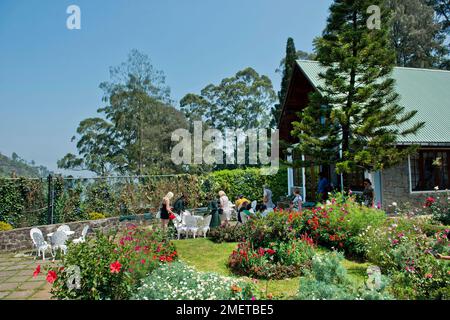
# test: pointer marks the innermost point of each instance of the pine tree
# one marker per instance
(357, 108)
(289, 61)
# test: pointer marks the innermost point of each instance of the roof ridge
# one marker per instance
(407, 68)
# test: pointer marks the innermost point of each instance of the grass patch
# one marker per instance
(207, 256)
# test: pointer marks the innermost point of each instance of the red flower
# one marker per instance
(37, 271)
(428, 276)
(162, 258)
(429, 202)
(261, 251)
(137, 248)
(115, 267)
(169, 259)
(51, 276)
(143, 261)
(270, 251)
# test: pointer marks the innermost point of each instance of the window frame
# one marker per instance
(411, 191)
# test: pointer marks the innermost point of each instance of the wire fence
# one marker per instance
(26, 202)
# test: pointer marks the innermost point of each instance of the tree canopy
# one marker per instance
(356, 110)
(133, 133)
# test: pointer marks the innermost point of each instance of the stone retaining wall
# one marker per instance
(19, 239)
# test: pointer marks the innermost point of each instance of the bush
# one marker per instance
(440, 208)
(278, 261)
(248, 182)
(110, 266)
(96, 216)
(178, 281)
(328, 280)
(4, 226)
(402, 250)
(227, 233)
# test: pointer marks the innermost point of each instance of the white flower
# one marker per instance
(436, 188)
(394, 204)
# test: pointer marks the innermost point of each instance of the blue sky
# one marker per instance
(49, 75)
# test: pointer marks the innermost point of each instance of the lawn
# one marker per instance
(208, 256)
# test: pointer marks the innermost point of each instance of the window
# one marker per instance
(430, 169)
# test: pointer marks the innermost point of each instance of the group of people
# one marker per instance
(221, 209)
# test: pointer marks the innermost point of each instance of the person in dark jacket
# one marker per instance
(180, 204)
(215, 219)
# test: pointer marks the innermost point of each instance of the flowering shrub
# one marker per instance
(5, 226)
(439, 207)
(96, 216)
(277, 261)
(111, 265)
(178, 281)
(335, 225)
(403, 251)
(328, 280)
(227, 233)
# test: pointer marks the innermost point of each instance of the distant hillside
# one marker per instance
(21, 167)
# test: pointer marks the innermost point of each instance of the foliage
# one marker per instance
(178, 281)
(439, 207)
(279, 260)
(334, 225)
(4, 226)
(328, 280)
(248, 182)
(356, 107)
(241, 101)
(121, 140)
(287, 67)
(23, 202)
(227, 233)
(402, 250)
(96, 216)
(416, 35)
(111, 265)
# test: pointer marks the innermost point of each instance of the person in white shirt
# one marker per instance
(224, 208)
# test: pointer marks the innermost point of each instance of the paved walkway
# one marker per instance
(16, 278)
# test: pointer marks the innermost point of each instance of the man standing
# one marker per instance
(322, 188)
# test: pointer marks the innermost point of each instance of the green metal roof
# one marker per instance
(424, 90)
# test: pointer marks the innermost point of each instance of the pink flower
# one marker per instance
(428, 276)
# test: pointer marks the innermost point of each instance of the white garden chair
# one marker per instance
(34, 246)
(41, 244)
(203, 226)
(181, 228)
(83, 235)
(192, 225)
(58, 241)
(63, 227)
